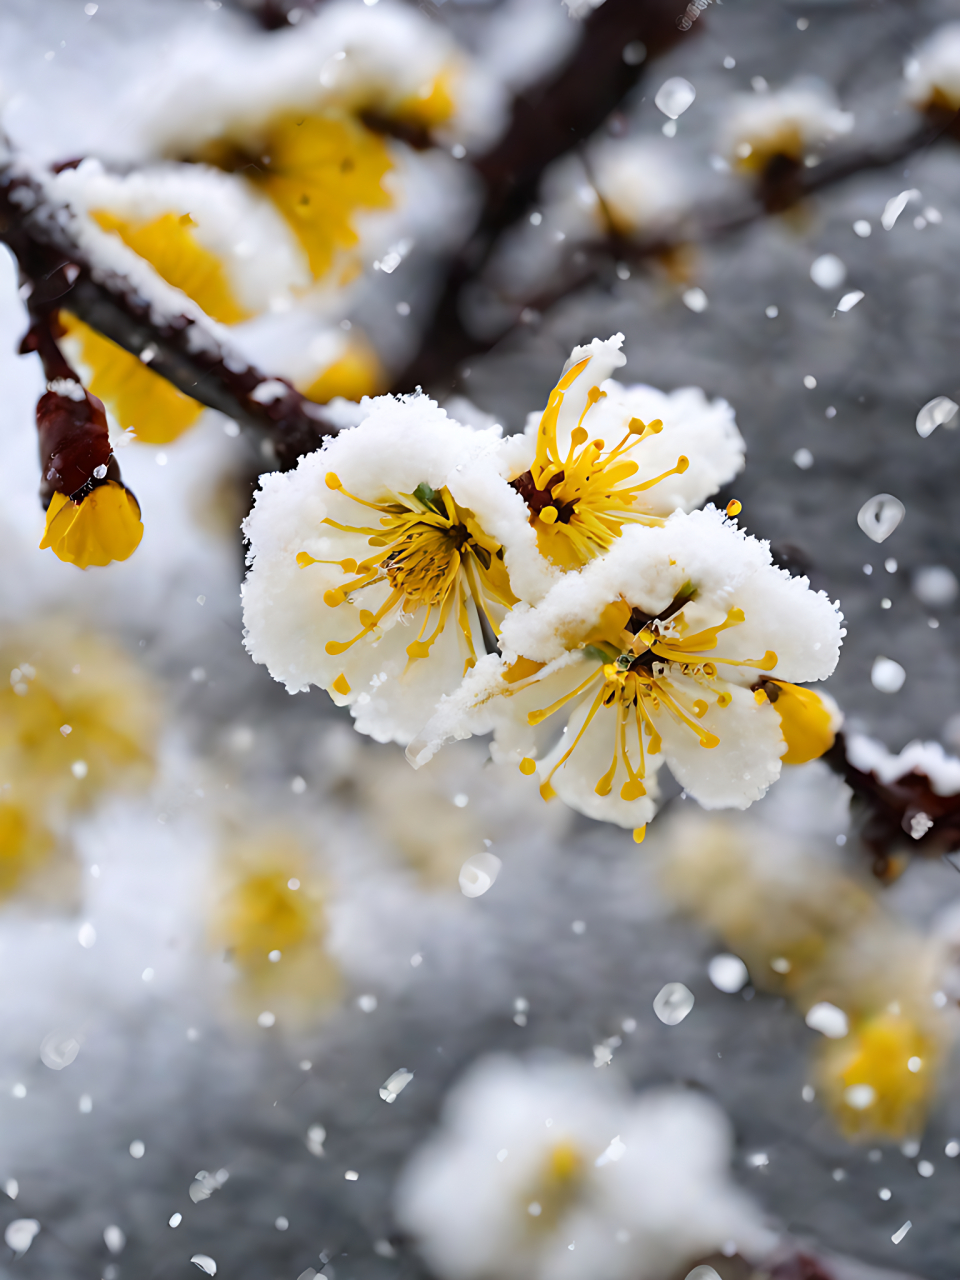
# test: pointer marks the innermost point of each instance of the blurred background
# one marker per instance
(257, 1020)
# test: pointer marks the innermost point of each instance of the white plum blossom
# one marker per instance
(788, 122)
(933, 75)
(602, 455)
(704, 431)
(549, 1169)
(682, 645)
(382, 566)
(643, 187)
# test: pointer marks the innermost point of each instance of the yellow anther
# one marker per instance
(331, 598)
(303, 559)
(528, 766)
(683, 463)
(578, 435)
(548, 515)
(734, 507)
(367, 619)
(595, 394)
(724, 699)
(632, 789)
(700, 707)
(336, 647)
(547, 792)
(418, 649)
(348, 566)
(639, 833)
(341, 684)
(333, 481)
(565, 1162)
(760, 697)
(709, 740)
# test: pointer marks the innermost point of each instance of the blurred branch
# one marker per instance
(56, 274)
(897, 818)
(783, 185)
(274, 15)
(547, 121)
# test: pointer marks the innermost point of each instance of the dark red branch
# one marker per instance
(547, 121)
(888, 812)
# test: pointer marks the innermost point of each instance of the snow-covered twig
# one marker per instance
(181, 348)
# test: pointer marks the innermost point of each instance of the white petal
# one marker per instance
(704, 432)
(401, 444)
(486, 703)
(604, 357)
(575, 781)
(738, 771)
(801, 626)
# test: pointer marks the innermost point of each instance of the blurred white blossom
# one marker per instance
(548, 1168)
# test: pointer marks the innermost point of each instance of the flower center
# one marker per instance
(434, 557)
(556, 1187)
(639, 659)
(580, 500)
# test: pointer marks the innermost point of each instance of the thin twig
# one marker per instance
(547, 121)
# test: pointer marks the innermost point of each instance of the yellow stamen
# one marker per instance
(639, 833)
(734, 508)
(590, 493)
(528, 766)
(436, 559)
(341, 684)
(630, 681)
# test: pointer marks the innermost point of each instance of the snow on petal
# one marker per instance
(367, 576)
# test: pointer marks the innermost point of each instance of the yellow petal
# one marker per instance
(432, 105)
(321, 170)
(356, 374)
(136, 396)
(807, 723)
(170, 247)
(25, 844)
(891, 1054)
(105, 526)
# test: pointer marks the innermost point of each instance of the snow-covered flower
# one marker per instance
(188, 233)
(880, 1078)
(631, 187)
(383, 565)
(603, 455)
(547, 1168)
(789, 122)
(76, 715)
(77, 719)
(806, 928)
(933, 74)
(270, 920)
(641, 184)
(681, 645)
